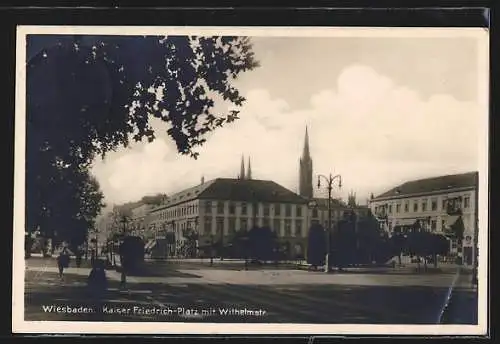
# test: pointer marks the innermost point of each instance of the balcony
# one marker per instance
(453, 206)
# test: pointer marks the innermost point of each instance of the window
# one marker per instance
(415, 206)
(266, 209)
(299, 211)
(407, 206)
(298, 227)
(277, 226)
(220, 207)
(390, 208)
(232, 225)
(255, 209)
(265, 222)
(277, 209)
(433, 225)
(243, 208)
(443, 225)
(315, 212)
(444, 204)
(398, 208)
(244, 224)
(232, 208)
(434, 205)
(288, 228)
(208, 207)
(466, 202)
(288, 210)
(219, 226)
(424, 205)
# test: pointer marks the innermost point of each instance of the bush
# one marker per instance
(316, 246)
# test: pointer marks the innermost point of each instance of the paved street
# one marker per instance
(186, 292)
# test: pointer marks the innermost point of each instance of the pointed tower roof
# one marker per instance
(249, 170)
(242, 168)
(305, 152)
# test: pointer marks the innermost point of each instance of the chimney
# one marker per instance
(202, 180)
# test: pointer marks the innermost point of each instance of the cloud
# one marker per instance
(367, 128)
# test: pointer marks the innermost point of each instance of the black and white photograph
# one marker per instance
(241, 180)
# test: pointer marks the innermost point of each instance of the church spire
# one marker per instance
(249, 170)
(242, 168)
(306, 154)
(306, 170)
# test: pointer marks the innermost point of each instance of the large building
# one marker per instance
(437, 203)
(139, 221)
(218, 208)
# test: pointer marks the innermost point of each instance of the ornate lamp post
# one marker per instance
(124, 220)
(329, 182)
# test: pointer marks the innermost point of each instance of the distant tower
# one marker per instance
(242, 168)
(249, 171)
(306, 171)
(351, 199)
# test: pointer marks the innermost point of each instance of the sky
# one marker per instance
(379, 111)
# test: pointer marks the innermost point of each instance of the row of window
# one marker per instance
(266, 209)
(276, 225)
(432, 224)
(178, 212)
(219, 207)
(422, 206)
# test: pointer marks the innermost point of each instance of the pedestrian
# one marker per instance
(97, 286)
(63, 261)
(78, 258)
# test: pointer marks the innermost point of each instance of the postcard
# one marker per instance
(246, 180)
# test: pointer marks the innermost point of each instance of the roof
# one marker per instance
(243, 190)
(185, 195)
(432, 185)
(248, 190)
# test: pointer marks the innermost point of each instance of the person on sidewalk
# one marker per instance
(78, 257)
(63, 262)
(97, 285)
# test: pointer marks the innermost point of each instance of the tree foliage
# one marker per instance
(258, 243)
(153, 200)
(370, 241)
(262, 243)
(316, 245)
(88, 95)
(131, 252)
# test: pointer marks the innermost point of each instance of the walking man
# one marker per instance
(63, 261)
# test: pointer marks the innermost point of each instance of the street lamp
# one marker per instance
(124, 221)
(329, 181)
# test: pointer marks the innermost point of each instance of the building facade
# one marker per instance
(437, 204)
(216, 209)
(139, 221)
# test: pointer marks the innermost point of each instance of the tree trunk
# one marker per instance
(435, 257)
(399, 258)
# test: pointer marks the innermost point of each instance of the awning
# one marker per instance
(406, 222)
(150, 244)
